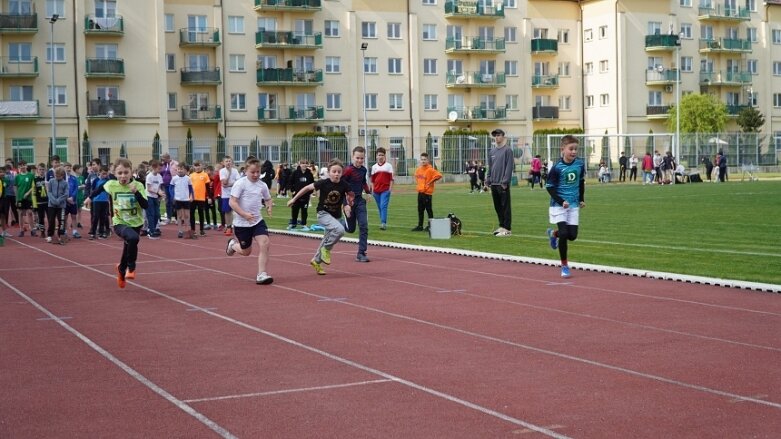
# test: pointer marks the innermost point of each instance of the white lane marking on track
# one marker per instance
(127, 369)
(281, 392)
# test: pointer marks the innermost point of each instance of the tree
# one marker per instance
(750, 120)
(156, 146)
(188, 147)
(86, 150)
(700, 113)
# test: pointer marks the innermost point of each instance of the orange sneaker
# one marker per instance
(120, 278)
(228, 231)
(130, 274)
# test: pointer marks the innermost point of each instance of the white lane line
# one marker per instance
(281, 392)
(43, 319)
(322, 353)
(127, 369)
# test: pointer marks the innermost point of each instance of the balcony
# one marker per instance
(199, 37)
(473, 9)
(19, 110)
(725, 45)
(289, 77)
(106, 109)
(545, 81)
(202, 114)
(734, 110)
(18, 68)
(105, 68)
(289, 5)
(663, 43)
(476, 80)
(15, 23)
(543, 46)
(108, 26)
(723, 13)
(657, 111)
(474, 45)
(665, 77)
(287, 40)
(291, 114)
(200, 76)
(472, 114)
(727, 79)
(542, 112)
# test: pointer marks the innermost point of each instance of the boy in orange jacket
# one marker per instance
(425, 177)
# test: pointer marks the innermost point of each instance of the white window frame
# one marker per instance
(511, 102)
(655, 98)
(55, 7)
(20, 52)
(751, 34)
(235, 24)
(61, 95)
(589, 101)
(331, 28)
(564, 69)
(333, 64)
(171, 101)
(396, 101)
(565, 103)
(395, 66)
(588, 35)
(59, 53)
(604, 66)
(237, 63)
(604, 100)
(430, 66)
(333, 101)
(510, 4)
(685, 3)
(775, 36)
(511, 67)
(588, 68)
(238, 101)
(776, 100)
(370, 101)
(602, 32)
(510, 34)
(687, 64)
(430, 102)
(429, 32)
(429, 2)
(369, 29)
(686, 31)
(370, 65)
(394, 31)
(776, 68)
(752, 66)
(169, 23)
(563, 36)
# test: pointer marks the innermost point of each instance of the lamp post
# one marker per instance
(677, 149)
(364, 46)
(53, 151)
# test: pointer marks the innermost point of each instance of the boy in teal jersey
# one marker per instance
(128, 199)
(24, 199)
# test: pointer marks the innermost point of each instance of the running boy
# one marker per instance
(128, 197)
(566, 186)
(334, 193)
(425, 177)
(248, 195)
(355, 176)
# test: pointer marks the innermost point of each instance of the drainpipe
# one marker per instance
(410, 80)
(76, 81)
(582, 76)
(224, 72)
(618, 81)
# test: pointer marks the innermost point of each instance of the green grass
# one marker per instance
(730, 231)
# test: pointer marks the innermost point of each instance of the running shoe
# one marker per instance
(554, 241)
(229, 248)
(305, 229)
(325, 255)
(264, 279)
(130, 274)
(318, 268)
(120, 278)
(565, 271)
(361, 258)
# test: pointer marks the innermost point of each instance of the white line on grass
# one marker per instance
(281, 392)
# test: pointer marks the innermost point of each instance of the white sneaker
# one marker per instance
(48, 239)
(504, 232)
(264, 279)
(229, 248)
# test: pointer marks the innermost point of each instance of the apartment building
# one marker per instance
(261, 71)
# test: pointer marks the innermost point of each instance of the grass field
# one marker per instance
(730, 230)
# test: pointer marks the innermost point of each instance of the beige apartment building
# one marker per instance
(259, 71)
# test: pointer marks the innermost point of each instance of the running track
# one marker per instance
(412, 345)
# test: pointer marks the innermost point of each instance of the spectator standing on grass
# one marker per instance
(355, 175)
(501, 165)
(302, 177)
(658, 159)
(623, 163)
(535, 169)
(382, 184)
(228, 177)
(425, 177)
(481, 171)
(633, 168)
(708, 166)
(648, 169)
(334, 194)
(248, 195)
(566, 186)
(128, 199)
(722, 164)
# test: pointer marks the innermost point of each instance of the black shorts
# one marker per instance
(70, 209)
(245, 234)
(181, 205)
(24, 203)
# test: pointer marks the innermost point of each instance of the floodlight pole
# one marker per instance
(53, 20)
(677, 149)
(364, 46)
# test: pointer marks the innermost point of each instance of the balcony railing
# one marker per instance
(474, 45)
(288, 5)
(478, 113)
(290, 114)
(665, 77)
(473, 9)
(104, 25)
(200, 76)
(289, 77)
(657, 111)
(730, 45)
(200, 36)
(661, 42)
(18, 68)
(19, 110)
(545, 81)
(14, 23)
(106, 109)
(734, 110)
(202, 114)
(288, 40)
(545, 45)
(542, 112)
(723, 13)
(728, 78)
(476, 79)
(105, 68)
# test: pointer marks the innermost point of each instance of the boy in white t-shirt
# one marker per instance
(153, 182)
(228, 177)
(247, 197)
(183, 197)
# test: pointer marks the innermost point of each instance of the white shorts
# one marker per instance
(558, 214)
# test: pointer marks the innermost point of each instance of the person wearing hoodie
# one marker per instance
(57, 188)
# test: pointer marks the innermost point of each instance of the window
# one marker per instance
(370, 65)
(706, 32)
(777, 68)
(235, 25)
(171, 101)
(430, 102)
(751, 34)
(511, 102)
(564, 68)
(511, 34)
(776, 100)
(588, 68)
(55, 7)
(510, 4)
(751, 66)
(654, 62)
(429, 2)
(563, 36)
(333, 64)
(455, 66)
(394, 31)
(687, 63)
(540, 32)
(266, 61)
(603, 66)
(238, 102)
(751, 5)
(237, 63)
(59, 95)
(20, 7)
(435, 147)
(368, 29)
(24, 149)
(331, 28)
(106, 51)
(686, 30)
(333, 101)
(169, 22)
(686, 3)
(511, 68)
(240, 152)
(394, 66)
(395, 101)
(267, 24)
(429, 32)
(105, 8)
(654, 28)
(21, 93)
(589, 101)
(59, 52)
(602, 32)
(565, 103)
(655, 98)
(604, 99)
(370, 101)
(588, 35)
(776, 36)
(430, 66)
(20, 52)
(753, 98)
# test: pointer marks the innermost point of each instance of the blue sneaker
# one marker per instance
(305, 229)
(554, 241)
(565, 271)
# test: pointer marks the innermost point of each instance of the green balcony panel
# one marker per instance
(657, 111)
(475, 45)
(106, 109)
(733, 45)
(202, 114)
(476, 80)
(291, 114)
(545, 45)
(724, 13)
(16, 23)
(199, 36)
(734, 110)
(198, 76)
(16, 110)
(289, 5)
(481, 113)
(666, 76)
(15, 67)
(661, 42)
(289, 77)
(104, 25)
(726, 78)
(543, 112)
(545, 81)
(473, 9)
(105, 68)
(288, 40)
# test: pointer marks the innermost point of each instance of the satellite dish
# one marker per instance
(452, 116)
(461, 79)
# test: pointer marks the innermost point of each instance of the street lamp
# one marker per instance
(677, 148)
(364, 46)
(53, 151)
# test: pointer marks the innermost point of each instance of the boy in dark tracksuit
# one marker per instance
(355, 176)
(302, 176)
